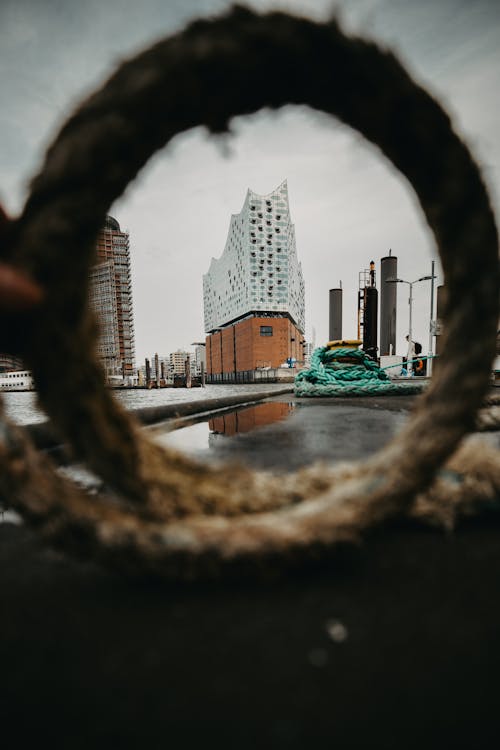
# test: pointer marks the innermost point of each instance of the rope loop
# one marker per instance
(163, 513)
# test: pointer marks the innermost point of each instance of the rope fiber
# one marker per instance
(163, 513)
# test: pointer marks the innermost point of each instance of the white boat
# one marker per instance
(17, 380)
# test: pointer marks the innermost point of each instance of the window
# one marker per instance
(266, 330)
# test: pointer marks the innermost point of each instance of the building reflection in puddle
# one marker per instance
(250, 418)
(200, 436)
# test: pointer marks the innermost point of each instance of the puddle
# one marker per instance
(251, 418)
(209, 433)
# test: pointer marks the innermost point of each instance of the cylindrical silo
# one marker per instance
(388, 304)
(335, 315)
(370, 319)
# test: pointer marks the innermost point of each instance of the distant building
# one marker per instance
(163, 368)
(178, 361)
(111, 299)
(254, 293)
(141, 377)
(308, 350)
(200, 358)
(8, 363)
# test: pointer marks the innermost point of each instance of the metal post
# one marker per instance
(410, 302)
(335, 314)
(431, 348)
(409, 364)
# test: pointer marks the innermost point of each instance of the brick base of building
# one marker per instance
(257, 344)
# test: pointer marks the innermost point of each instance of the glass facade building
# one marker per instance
(258, 272)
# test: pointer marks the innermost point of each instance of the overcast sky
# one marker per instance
(347, 203)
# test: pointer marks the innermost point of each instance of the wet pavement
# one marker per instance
(285, 432)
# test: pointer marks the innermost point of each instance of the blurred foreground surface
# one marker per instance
(390, 645)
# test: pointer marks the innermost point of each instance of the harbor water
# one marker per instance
(197, 438)
(22, 406)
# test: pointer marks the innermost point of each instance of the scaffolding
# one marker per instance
(111, 299)
(368, 310)
(366, 280)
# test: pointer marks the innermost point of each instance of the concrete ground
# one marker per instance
(391, 645)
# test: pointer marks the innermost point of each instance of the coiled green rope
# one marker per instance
(329, 376)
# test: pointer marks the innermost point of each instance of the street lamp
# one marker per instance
(410, 304)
